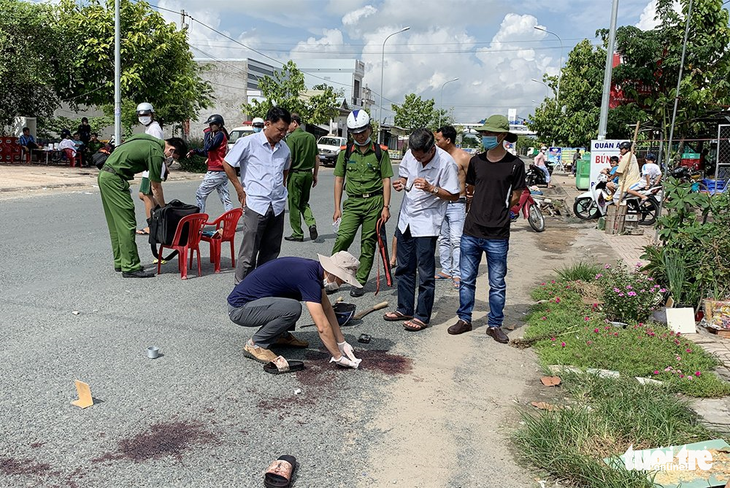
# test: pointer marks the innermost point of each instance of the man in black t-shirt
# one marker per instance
(269, 298)
(495, 180)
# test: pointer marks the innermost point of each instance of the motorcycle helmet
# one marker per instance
(625, 145)
(358, 121)
(215, 119)
(258, 122)
(680, 171)
(145, 108)
(344, 312)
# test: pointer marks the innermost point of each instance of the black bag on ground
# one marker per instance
(163, 223)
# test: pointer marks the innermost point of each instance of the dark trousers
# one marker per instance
(415, 254)
(261, 242)
(274, 316)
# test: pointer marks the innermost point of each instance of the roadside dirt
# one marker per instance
(450, 423)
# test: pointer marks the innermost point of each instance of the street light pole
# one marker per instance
(547, 88)
(441, 102)
(382, 72)
(560, 67)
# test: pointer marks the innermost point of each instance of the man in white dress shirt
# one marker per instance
(430, 178)
(264, 160)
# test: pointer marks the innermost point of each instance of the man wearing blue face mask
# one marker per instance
(257, 124)
(495, 180)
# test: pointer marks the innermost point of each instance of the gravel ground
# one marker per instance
(425, 409)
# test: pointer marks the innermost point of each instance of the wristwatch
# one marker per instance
(435, 190)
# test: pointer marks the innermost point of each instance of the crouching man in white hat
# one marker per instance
(269, 298)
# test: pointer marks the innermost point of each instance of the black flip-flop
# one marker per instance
(281, 366)
(279, 473)
(398, 316)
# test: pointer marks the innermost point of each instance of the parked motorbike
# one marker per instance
(594, 203)
(530, 210)
(536, 176)
(686, 175)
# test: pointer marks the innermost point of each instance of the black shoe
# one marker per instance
(313, 233)
(497, 334)
(139, 273)
(294, 238)
(118, 270)
(357, 292)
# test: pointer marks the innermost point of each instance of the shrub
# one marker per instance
(579, 272)
(628, 296)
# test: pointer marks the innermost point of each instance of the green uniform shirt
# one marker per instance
(303, 148)
(362, 172)
(139, 153)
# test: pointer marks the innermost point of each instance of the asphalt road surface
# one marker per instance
(425, 409)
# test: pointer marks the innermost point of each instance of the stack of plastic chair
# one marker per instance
(186, 241)
(225, 231)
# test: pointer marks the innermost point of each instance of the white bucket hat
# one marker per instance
(343, 265)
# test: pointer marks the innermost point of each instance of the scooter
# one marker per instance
(535, 176)
(594, 203)
(530, 210)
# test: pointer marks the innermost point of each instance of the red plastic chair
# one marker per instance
(186, 238)
(227, 222)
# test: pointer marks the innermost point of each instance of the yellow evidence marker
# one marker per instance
(84, 393)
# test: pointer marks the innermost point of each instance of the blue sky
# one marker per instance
(490, 45)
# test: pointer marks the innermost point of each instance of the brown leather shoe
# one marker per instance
(258, 353)
(289, 340)
(497, 334)
(459, 327)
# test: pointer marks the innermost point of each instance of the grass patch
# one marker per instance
(604, 418)
(579, 272)
(574, 333)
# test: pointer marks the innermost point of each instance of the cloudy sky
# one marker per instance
(491, 46)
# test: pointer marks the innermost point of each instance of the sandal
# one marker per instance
(281, 365)
(414, 325)
(442, 276)
(279, 473)
(143, 232)
(396, 316)
(457, 283)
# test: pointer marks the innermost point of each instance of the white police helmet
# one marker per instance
(358, 121)
(145, 108)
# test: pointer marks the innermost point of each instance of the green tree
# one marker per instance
(416, 113)
(287, 89)
(157, 65)
(30, 55)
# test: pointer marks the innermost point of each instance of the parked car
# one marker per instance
(238, 132)
(329, 148)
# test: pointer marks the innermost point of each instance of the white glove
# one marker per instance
(346, 350)
(345, 362)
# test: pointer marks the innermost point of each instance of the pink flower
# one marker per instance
(690, 378)
(620, 294)
(650, 278)
(615, 334)
(589, 342)
(542, 284)
(543, 318)
(599, 275)
(552, 281)
(662, 290)
(656, 371)
(552, 339)
(607, 266)
(678, 358)
(668, 368)
(608, 327)
(631, 293)
(557, 299)
(688, 350)
(698, 374)
(629, 287)
(562, 344)
(681, 376)
(586, 318)
(595, 330)
(616, 290)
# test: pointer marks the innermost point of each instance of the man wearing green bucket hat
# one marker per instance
(494, 181)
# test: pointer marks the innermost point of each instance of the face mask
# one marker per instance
(330, 286)
(258, 129)
(489, 142)
(146, 120)
(364, 143)
(169, 160)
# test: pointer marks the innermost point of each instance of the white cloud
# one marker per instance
(354, 17)
(331, 42)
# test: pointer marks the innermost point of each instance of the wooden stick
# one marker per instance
(374, 308)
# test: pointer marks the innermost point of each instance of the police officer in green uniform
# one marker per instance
(367, 183)
(302, 178)
(139, 153)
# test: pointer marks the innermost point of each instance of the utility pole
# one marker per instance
(117, 77)
(603, 121)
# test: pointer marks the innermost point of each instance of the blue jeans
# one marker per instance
(415, 253)
(448, 242)
(471, 254)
